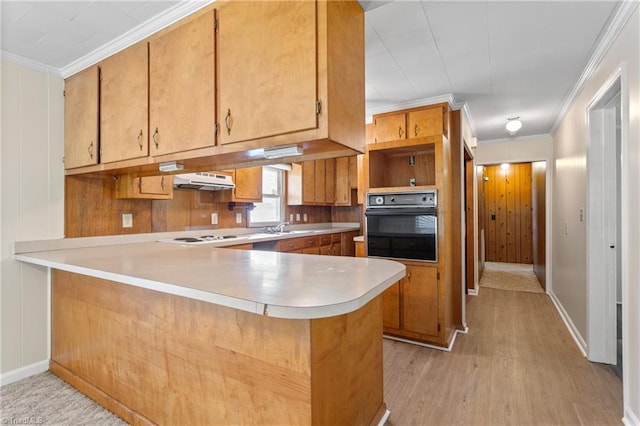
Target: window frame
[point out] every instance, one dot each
(281, 196)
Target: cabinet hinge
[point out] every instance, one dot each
(318, 107)
(438, 327)
(216, 129)
(64, 93)
(438, 276)
(216, 24)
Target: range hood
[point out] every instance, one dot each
(203, 181)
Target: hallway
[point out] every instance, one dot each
(518, 365)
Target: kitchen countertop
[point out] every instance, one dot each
(274, 284)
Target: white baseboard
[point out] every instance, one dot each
(582, 345)
(630, 419)
(24, 372)
(384, 418)
(426, 345)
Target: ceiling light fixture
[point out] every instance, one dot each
(513, 125)
(281, 152)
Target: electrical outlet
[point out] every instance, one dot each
(290, 217)
(214, 218)
(304, 217)
(238, 217)
(127, 220)
(297, 217)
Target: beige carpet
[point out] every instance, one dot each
(510, 276)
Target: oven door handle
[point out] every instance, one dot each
(402, 211)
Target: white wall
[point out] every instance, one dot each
(515, 150)
(31, 206)
(570, 180)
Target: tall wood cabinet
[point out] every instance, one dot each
(258, 96)
(124, 105)
(182, 87)
(81, 103)
(411, 151)
(323, 182)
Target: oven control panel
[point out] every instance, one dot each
(403, 199)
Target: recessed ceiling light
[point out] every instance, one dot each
(513, 125)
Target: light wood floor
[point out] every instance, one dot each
(518, 365)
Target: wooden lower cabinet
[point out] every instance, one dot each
(411, 307)
(122, 346)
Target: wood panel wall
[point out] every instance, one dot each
(539, 170)
(92, 210)
(508, 215)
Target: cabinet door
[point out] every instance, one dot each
(369, 133)
(426, 122)
(320, 182)
(81, 119)
(343, 188)
(420, 300)
(124, 112)
(308, 182)
(390, 127)
(267, 68)
(248, 183)
(391, 307)
(181, 87)
(330, 180)
(158, 185)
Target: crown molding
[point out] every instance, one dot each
(624, 12)
(29, 63)
(133, 36)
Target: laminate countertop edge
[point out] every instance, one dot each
(282, 285)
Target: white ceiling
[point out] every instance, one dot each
(501, 58)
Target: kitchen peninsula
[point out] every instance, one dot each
(176, 334)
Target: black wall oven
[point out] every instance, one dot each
(402, 225)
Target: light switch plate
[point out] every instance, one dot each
(290, 217)
(297, 217)
(238, 217)
(214, 218)
(127, 220)
(304, 217)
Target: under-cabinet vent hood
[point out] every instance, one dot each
(203, 181)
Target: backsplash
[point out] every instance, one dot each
(92, 210)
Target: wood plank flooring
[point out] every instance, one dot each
(518, 365)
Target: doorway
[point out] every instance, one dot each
(515, 219)
(604, 279)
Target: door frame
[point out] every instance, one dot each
(601, 298)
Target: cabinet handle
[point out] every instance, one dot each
(140, 185)
(409, 276)
(155, 138)
(90, 150)
(140, 140)
(400, 132)
(162, 183)
(228, 121)
(416, 130)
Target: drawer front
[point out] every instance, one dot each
(325, 239)
(311, 242)
(336, 238)
(290, 244)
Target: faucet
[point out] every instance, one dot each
(277, 228)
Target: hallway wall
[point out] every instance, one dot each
(569, 281)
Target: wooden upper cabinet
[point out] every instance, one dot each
(425, 122)
(81, 119)
(390, 127)
(124, 100)
(308, 187)
(369, 133)
(146, 187)
(248, 184)
(182, 88)
(342, 181)
(267, 69)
